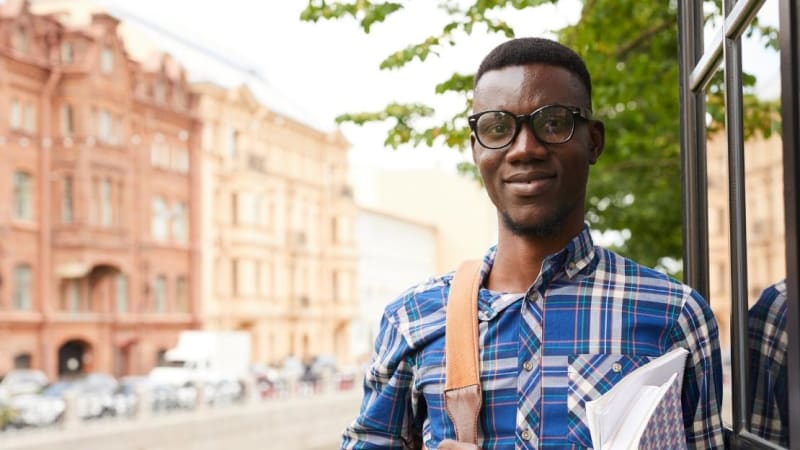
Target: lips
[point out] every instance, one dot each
(528, 184)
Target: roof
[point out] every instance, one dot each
(204, 64)
(145, 42)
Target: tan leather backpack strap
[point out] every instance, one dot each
(462, 364)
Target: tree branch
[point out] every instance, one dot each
(644, 36)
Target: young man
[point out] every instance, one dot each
(560, 320)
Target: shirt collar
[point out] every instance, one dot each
(569, 261)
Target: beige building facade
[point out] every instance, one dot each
(455, 205)
(97, 171)
(279, 254)
(766, 257)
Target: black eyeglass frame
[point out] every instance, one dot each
(582, 112)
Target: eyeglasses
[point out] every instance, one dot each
(551, 124)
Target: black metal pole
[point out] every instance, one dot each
(790, 112)
(734, 124)
(693, 155)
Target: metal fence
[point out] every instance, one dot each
(698, 64)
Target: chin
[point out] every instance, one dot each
(532, 227)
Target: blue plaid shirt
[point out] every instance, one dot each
(768, 344)
(590, 318)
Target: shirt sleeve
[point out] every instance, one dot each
(702, 380)
(387, 419)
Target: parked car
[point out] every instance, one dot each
(95, 396)
(23, 381)
(15, 386)
(41, 409)
(161, 396)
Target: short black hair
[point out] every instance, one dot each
(533, 50)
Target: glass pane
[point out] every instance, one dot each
(764, 297)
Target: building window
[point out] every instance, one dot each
(22, 287)
(159, 154)
(106, 206)
(122, 293)
(73, 296)
(67, 121)
(107, 60)
(104, 126)
(180, 160)
(20, 40)
(335, 286)
(30, 118)
(263, 210)
(160, 294)
(159, 219)
(232, 143)
(15, 115)
(67, 53)
(22, 361)
(23, 196)
(234, 208)
(179, 228)
(159, 92)
(181, 294)
(235, 287)
(248, 210)
(67, 211)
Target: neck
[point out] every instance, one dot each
(519, 259)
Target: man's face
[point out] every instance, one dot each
(538, 189)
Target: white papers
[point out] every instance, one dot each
(618, 418)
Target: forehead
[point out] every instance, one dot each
(522, 89)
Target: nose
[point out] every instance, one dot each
(526, 147)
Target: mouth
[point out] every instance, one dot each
(530, 184)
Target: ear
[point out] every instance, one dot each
(597, 135)
(472, 146)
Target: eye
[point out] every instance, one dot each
(497, 124)
(553, 124)
(495, 128)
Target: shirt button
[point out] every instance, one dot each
(527, 435)
(616, 367)
(572, 265)
(528, 366)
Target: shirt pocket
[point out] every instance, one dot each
(591, 375)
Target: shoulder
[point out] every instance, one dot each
(767, 317)
(772, 300)
(645, 282)
(419, 312)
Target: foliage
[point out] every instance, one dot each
(630, 48)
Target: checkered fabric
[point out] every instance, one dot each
(664, 430)
(589, 377)
(590, 318)
(768, 378)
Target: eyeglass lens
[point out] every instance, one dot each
(552, 125)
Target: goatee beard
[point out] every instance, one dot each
(548, 228)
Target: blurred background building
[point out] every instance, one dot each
(766, 251)
(156, 187)
(413, 224)
(279, 256)
(98, 164)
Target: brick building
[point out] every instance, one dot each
(98, 267)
